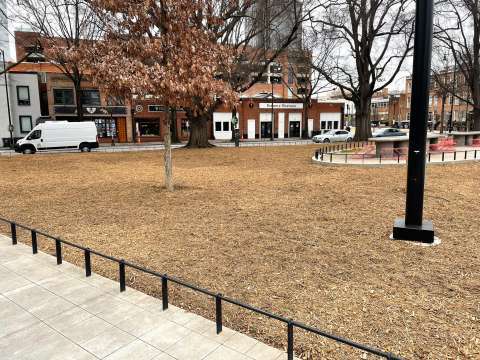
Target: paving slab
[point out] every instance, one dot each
(50, 311)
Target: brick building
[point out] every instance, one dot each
(143, 120)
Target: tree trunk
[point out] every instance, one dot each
(305, 120)
(167, 156)
(476, 119)
(198, 132)
(363, 129)
(173, 125)
(78, 99)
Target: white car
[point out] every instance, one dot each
(334, 136)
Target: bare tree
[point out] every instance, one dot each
(63, 28)
(304, 80)
(373, 38)
(251, 29)
(457, 30)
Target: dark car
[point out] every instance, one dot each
(388, 132)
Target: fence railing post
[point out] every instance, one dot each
(218, 313)
(13, 233)
(34, 242)
(443, 156)
(58, 251)
(429, 157)
(88, 263)
(165, 292)
(465, 154)
(121, 268)
(290, 340)
(454, 156)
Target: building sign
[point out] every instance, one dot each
(156, 108)
(281, 105)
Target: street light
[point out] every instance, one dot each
(413, 227)
(10, 125)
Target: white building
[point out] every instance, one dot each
(4, 36)
(24, 96)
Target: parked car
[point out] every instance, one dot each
(59, 135)
(333, 136)
(388, 132)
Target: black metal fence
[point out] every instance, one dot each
(219, 299)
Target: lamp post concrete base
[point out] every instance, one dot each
(420, 233)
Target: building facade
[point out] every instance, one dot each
(23, 110)
(4, 35)
(255, 119)
(273, 21)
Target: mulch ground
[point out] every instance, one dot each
(267, 227)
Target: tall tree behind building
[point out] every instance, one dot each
(64, 28)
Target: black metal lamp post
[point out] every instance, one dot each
(413, 227)
(10, 125)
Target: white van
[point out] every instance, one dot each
(59, 135)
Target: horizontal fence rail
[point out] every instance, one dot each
(218, 298)
(333, 154)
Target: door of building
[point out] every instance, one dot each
(266, 125)
(122, 130)
(294, 121)
(294, 130)
(266, 130)
(251, 128)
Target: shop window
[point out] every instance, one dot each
(218, 126)
(323, 125)
(226, 126)
(106, 127)
(63, 97)
(149, 128)
(26, 124)
(335, 124)
(90, 97)
(23, 95)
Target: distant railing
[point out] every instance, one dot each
(219, 298)
(394, 157)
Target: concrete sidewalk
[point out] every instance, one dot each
(159, 146)
(54, 312)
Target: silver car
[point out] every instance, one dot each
(333, 136)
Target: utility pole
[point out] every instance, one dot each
(10, 125)
(413, 227)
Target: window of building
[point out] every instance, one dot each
(91, 97)
(106, 127)
(430, 100)
(226, 126)
(23, 95)
(435, 100)
(323, 125)
(115, 100)
(63, 97)
(25, 124)
(149, 128)
(218, 126)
